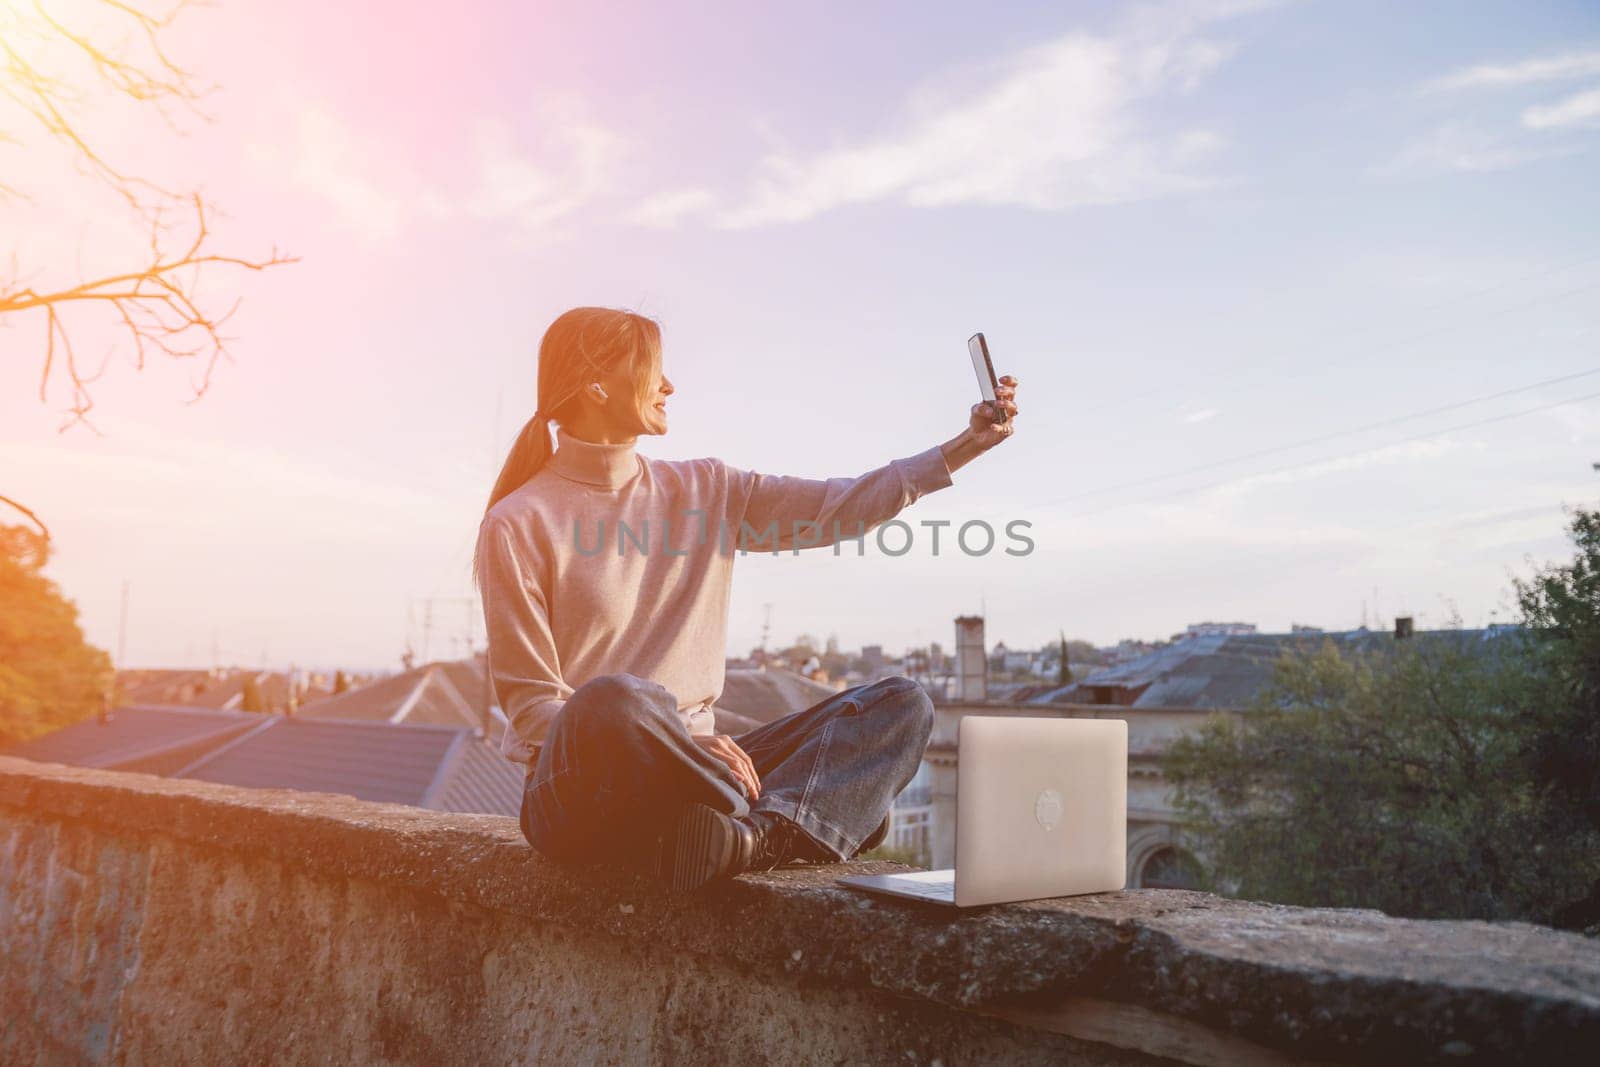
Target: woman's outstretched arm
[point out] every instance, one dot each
(775, 512)
(770, 513)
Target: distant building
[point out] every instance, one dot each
(1219, 629)
(1011, 659)
(972, 665)
(221, 688)
(1214, 670)
(1163, 692)
(760, 696)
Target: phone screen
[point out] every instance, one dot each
(980, 363)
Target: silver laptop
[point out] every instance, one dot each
(1041, 811)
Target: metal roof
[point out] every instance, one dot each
(765, 695)
(133, 734)
(427, 694)
(380, 761)
(479, 779)
(447, 768)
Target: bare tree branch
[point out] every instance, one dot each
(155, 303)
(44, 531)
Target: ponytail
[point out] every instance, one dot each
(529, 452)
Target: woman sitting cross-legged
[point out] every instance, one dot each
(605, 578)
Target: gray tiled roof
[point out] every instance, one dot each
(446, 768)
(367, 760)
(132, 734)
(765, 695)
(429, 694)
(480, 779)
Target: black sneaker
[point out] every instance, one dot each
(778, 841)
(703, 845)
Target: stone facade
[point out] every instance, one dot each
(155, 920)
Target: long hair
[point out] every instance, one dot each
(576, 348)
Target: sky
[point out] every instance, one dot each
(1301, 299)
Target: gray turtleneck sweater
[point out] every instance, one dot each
(608, 561)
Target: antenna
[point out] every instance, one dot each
(494, 441)
(122, 631)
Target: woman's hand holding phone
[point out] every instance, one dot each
(986, 423)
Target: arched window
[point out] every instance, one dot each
(1170, 868)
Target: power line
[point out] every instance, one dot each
(1506, 417)
(1236, 371)
(1336, 434)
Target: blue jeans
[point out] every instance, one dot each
(617, 765)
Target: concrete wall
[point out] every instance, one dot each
(151, 920)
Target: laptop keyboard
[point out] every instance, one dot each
(940, 887)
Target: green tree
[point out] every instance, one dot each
(341, 682)
(49, 675)
(1560, 606)
(1450, 776)
(1064, 671)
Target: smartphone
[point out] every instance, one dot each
(987, 382)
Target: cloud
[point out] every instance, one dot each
(666, 210)
(1202, 415)
(1056, 126)
(1458, 146)
(515, 187)
(576, 162)
(1523, 72)
(1582, 109)
(327, 162)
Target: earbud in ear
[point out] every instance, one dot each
(597, 387)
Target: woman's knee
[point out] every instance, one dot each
(610, 702)
(905, 699)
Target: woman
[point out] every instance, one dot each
(605, 579)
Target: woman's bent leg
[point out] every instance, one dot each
(615, 765)
(835, 768)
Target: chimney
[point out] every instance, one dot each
(1404, 627)
(972, 661)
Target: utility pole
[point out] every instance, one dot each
(122, 631)
(465, 636)
(766, 628)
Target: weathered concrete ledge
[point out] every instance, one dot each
(146, 918)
